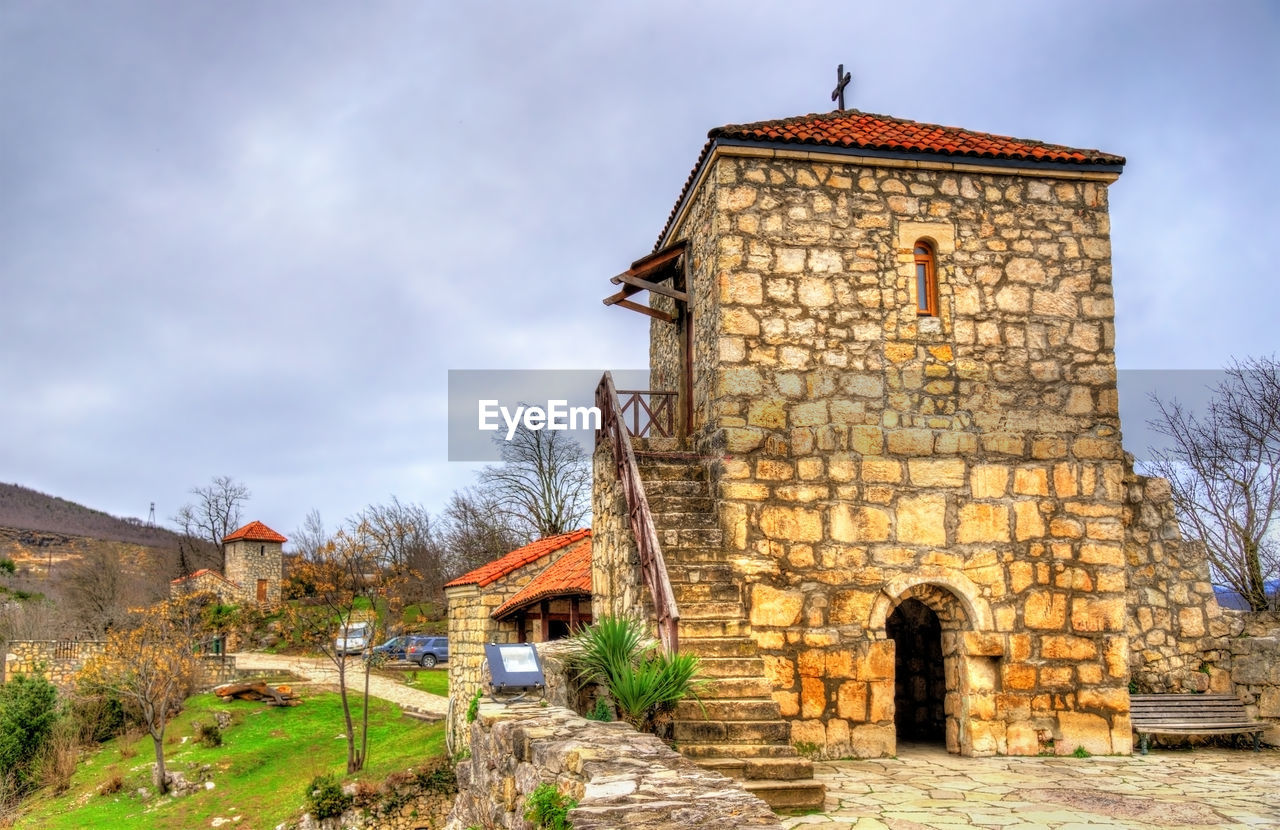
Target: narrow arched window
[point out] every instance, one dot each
(926, 280)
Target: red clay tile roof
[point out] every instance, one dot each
(518, 558)
(256, 532)
(884, 134)
(200, 573)
(570, 575)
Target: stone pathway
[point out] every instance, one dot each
(927, 788)
(322, 670)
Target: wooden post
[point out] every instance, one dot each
(545, 609)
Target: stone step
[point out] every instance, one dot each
(691, 592)
(701, 504)
(693, 556)
(712, 610)
(707, 647)
(681, 520)
(698, 537)
(731, 667)
(701, 572)
(789, 795)
(657, 444)
(735, 731)
(755, 769)
(699, 751)
(712, 628)
(727, 709)
(674, 487)
(735, 687)
(651, 470)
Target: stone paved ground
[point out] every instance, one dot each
(322, 670)
(927, 788)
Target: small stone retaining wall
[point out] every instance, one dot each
(620, 777)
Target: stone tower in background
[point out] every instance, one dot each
(255, 562)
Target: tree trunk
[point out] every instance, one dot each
(346, 714)
(158, 776)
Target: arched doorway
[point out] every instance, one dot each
(920, 682)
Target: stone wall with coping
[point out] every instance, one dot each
(620, 777)
(617, 588)
(862, 454)
(58, 660)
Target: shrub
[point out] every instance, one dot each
(28, 712)
(208, 734)
(548, 808)
(438, 776)
(325, 798)
(473, 708)
(367, 793)
(642, 680)
(601, 712)
(112, 785)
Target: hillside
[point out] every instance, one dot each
(22, 508)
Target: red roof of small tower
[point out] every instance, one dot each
(570, 575)
(255, 532)
(518, 558)
(854, 132)
(200, 573)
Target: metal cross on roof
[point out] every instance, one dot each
(842, 80)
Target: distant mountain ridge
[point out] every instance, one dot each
(22, 508)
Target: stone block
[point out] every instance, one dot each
(911, 441)
(851, 701)
(881, 470)
(1027, 521)
(851, 606)
(792, 524)
(1067, 647)
(1105, 699)
(768, 414)
(788, 703)
(983, 644)
(921, 520)
(850, 523)
(872, 740)
(813, 697)
(988, 481)
(936, 472)
(879, 664)
(866, 440)
(1089, 614)
(775, 608)
(1021, 739)
(1191, 621)
(1082, 729)
(880, 705)
(983, 523)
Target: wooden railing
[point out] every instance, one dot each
(613, 428)
(658, 410)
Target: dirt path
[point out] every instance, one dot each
(322, 670)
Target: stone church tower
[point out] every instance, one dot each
(892, 350)
(255, 561)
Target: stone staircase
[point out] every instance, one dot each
(736, 728)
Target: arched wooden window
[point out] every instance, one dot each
(926, 280)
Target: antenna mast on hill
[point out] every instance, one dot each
(151, 517)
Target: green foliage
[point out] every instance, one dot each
(548, 808)
(209, 734)
(1081, 752)
(7, 566)
(601, 712)
(325, 798)
(642, 680)
(28, 713)
(438, 775)
(473, 708)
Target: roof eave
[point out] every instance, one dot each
(719, 146)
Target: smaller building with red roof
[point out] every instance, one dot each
(254, 557)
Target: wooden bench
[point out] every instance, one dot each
(1175, 714)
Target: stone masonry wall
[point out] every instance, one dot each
(863, 454)
(470, 627)
(621, 778)
(57, 660)
(249, 561)
(617, 587)
(1174, 621)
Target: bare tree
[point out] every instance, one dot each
(309, 539)
(543, 482)
(99, 591)
(1224, 471)
(476, 530)
(404, 538)
(213, 515)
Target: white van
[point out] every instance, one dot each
(353, 639)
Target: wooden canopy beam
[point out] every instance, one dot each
(640, 277)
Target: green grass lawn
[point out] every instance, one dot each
(260, 773)
(433, 681)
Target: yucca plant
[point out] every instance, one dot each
(643, 681)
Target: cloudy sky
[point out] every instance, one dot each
(251, 239)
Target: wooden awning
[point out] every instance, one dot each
(648, 274)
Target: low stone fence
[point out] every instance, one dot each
(57, 660)
(620, 777)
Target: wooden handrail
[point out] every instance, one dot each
(659, 411)
(613, 428)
